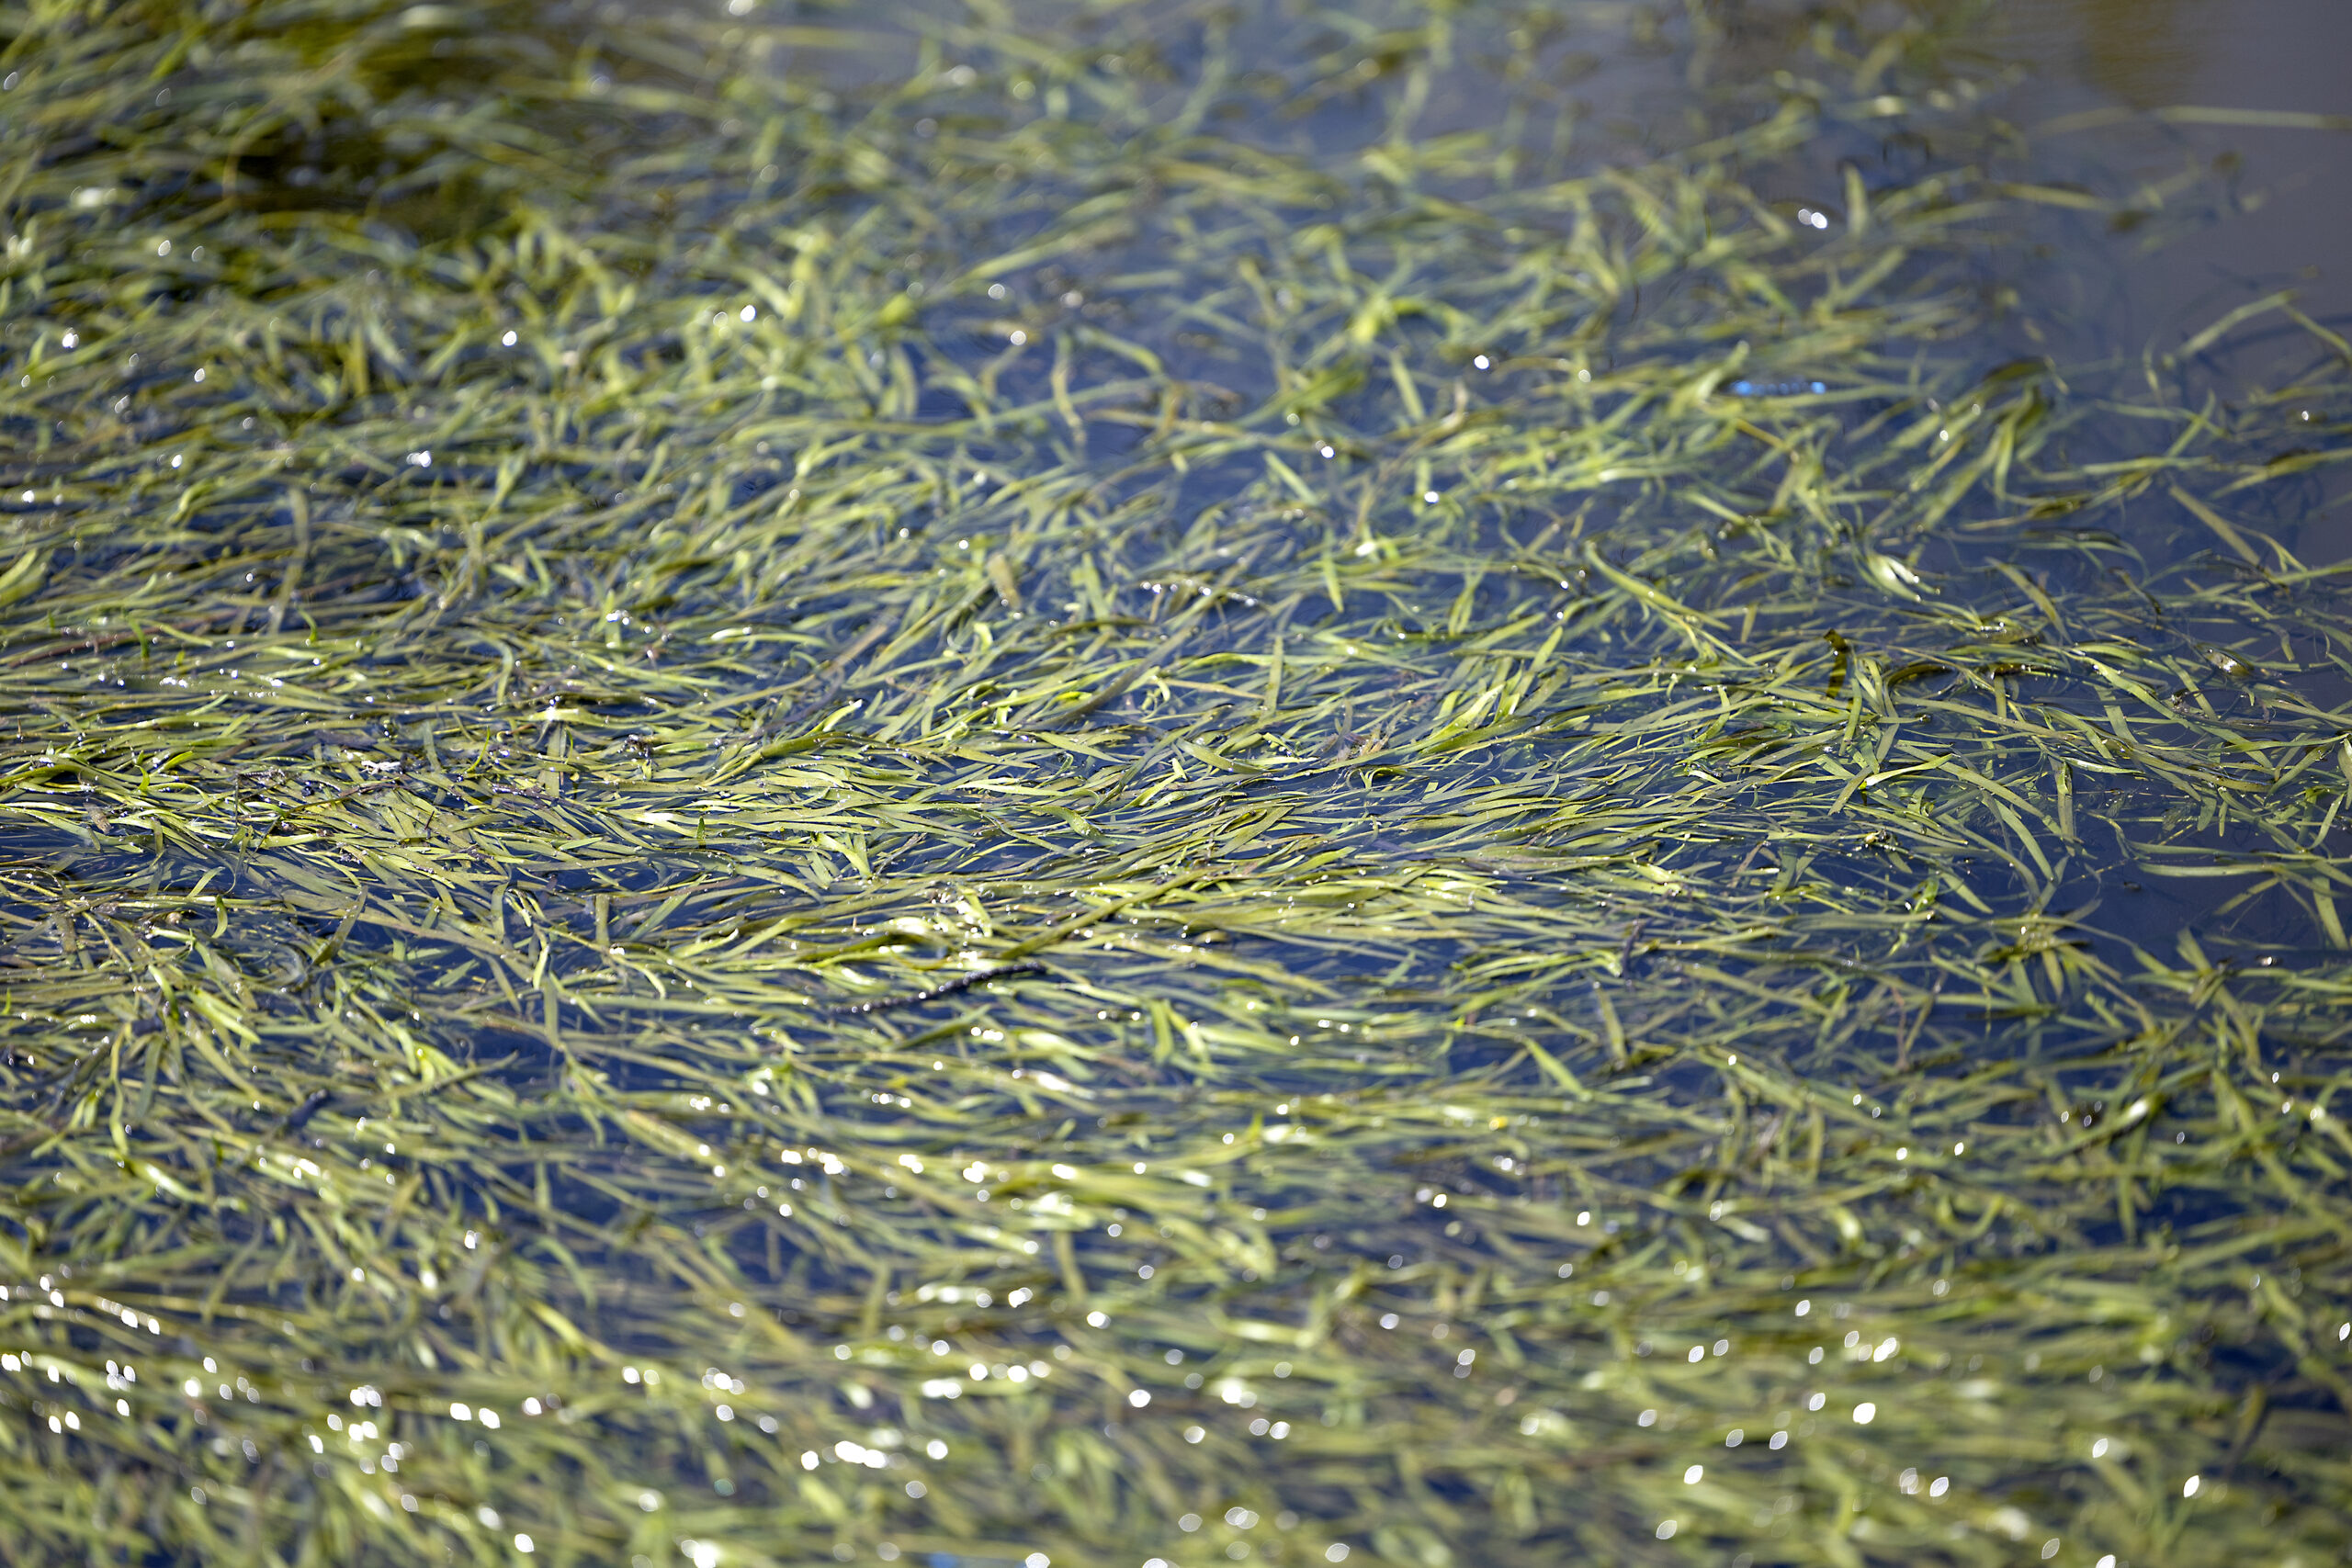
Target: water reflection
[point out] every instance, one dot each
(2143, 51)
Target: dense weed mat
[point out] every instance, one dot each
(1145, 785)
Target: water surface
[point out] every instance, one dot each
(1525, 784)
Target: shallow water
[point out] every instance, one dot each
(1660, 691)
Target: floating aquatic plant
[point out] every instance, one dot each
(1128, 784)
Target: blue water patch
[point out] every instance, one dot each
(1776, 389)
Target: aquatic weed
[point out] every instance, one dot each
(1653, 895)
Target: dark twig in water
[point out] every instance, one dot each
(883, 1004)
(1626, 954)
(299, 1117)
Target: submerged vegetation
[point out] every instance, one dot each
(1146, 785)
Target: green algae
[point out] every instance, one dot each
(1684, 900)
